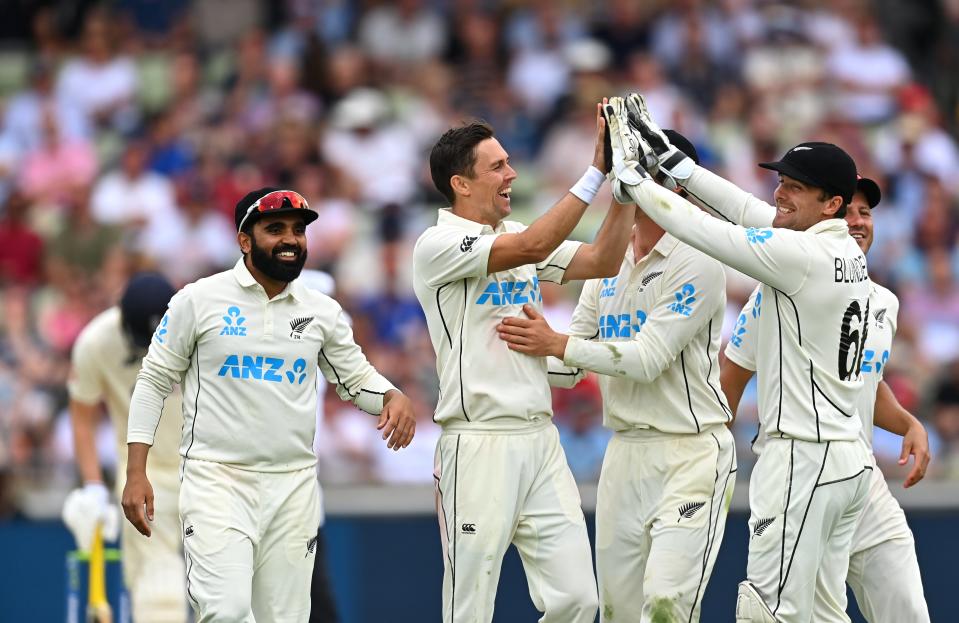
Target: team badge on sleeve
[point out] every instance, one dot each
(684, 300)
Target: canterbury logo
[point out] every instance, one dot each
(650, 277)
(188, 532)
(689, 509)
(469, 528)
(761, 526)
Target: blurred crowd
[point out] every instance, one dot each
(130, 128)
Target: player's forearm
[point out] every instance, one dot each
(137, 458)
(889, 415)
(604, 256)
(83, 421)
(146, 406)
(548, 231)
(728, 201)
(639, 360)
(563, 376)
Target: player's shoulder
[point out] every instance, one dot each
(687, 259)
(317, 300)
(882, 298)
(103, 328)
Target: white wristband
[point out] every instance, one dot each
(588, 185)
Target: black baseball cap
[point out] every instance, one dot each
(818, 164)
(682, 143)
(286, 201)
(143, 304)
(870, 189)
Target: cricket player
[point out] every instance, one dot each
(501, 475)
(105, 362)
(245, 343)
(883, 568)
(810, 483)
(653, 334)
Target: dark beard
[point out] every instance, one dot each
(269, 265)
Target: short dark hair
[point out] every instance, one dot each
(825, 195)
(455, 154)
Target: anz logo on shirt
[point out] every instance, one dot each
(609, 288)
(160, 335)
(756, 235)
(621, 325)
(511, 293)
(260, 368)
(739, 331)
(234, 322)
(684, 300)
(873, 363)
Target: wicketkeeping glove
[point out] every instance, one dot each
(628, 150)
(85, 508)
(672, 167)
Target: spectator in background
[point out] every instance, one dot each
(867, 74)
(933, 309)
(581, 431)
(24, 117)
(362, 139)
(195, 241)
(100, 82)
(945, 421)
(132, 196)
(21, 249)
(399, 35)
(57, 164)
(624, 27)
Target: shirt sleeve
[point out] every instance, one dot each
(163, 367)
(553, 268)
(343, 363)
(775, 256)
(85, 384)
(727, 201)
(741, 349)
(446, 254)
(688, 299)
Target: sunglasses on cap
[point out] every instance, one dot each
(276, 200)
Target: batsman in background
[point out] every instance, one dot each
(883, 568)
(106, 359)
(501, 475)
(653, 333)
(810, 483)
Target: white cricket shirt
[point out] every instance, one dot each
(248, 365)
(883, 314)
(483, 384)
(104, 369)
(815, 296)
(653, 334)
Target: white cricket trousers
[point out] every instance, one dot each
(660, 517)
(153, 569)
(883, 569)
(493, 489)
(250, 541)
(804, 500)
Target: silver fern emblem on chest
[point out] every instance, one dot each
(761, 526)
(648, 278)
(298, 325)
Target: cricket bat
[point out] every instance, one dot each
(98, 608)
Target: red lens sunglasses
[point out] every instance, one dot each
(274, 201)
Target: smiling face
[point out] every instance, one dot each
(859, 219)
(276, 246)
(484, 196)
(799, 206)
